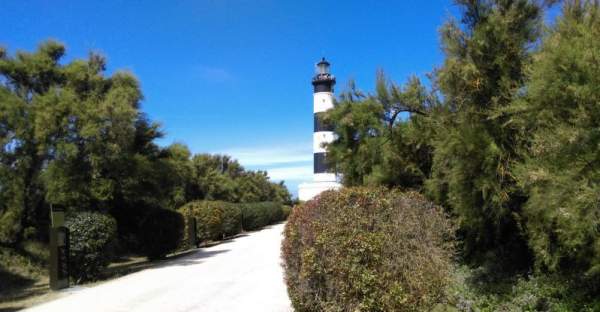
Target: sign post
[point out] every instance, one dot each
(59, 250)
(192, 232)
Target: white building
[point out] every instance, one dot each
(324, 178)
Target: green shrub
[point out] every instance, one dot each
(91, 237)
(364, 249)
(286, 210)
(488, 288)
(253, 216)
(214, 219)
(161, 231)
(231, 217)
(209, 219)
(258, 215)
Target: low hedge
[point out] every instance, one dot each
(92, 236)
(161, 232)
(258, 215)
(214, 219)
(364, 249)
(217, 219)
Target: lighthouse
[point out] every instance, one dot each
(324, 177)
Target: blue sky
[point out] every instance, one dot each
(233, 76)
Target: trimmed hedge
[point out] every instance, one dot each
(216, 220)
(92, 236)
(258, 215)
(362, 249)
(161, 232)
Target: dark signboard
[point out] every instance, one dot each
(192, 232)
(59, 258)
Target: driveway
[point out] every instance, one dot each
(242, 274)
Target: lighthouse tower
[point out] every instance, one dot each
(324, 178)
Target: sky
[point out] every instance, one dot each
(233, 76)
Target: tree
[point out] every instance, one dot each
(74, 137)
(561, 169)
(71, 137)
(382, 138)
(218, 177)
(25, 79)
(486, 57)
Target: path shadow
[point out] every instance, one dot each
(190, 258)
(16, 288)
(12, 282)
(224, 241)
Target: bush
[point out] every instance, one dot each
(231, 215)
(91, 237)
(488, 288)
(161, 232)
(215, 219)
(362, 249)
(285, 211)
(258, 215)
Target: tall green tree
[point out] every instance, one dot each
(219, 177)
(74, 137)
(487, 53)
(24, 79)
(383, 138)
(560, 115)
(71, 136)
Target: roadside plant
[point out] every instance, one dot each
(368, 249)
(92, 237)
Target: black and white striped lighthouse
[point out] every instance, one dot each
(324, 177)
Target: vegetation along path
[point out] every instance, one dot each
(242, 274)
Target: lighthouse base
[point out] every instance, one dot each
(307, 191)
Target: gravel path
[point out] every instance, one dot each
(243, 274)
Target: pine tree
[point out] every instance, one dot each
(486, 57)
(560, 113)
(382, 138)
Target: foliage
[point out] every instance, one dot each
(91, 237)
(161, 231)
(561, 167)
(376, 142)
(232, 219)
(72, 136)
(285, 212)
(484, 68)
(215, 219)
(258, 215)
(362, 249)
(218, 177)
(482, 289)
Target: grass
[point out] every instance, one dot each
(484, 289)
(23, 275)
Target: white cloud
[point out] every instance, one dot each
(296, 173)
(290, 163)
(267, 157)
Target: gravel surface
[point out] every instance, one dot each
(242, 274)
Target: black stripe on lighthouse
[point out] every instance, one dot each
(320, 125)
(320, 166)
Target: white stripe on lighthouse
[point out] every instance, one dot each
(323, 101)
(321, 137)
